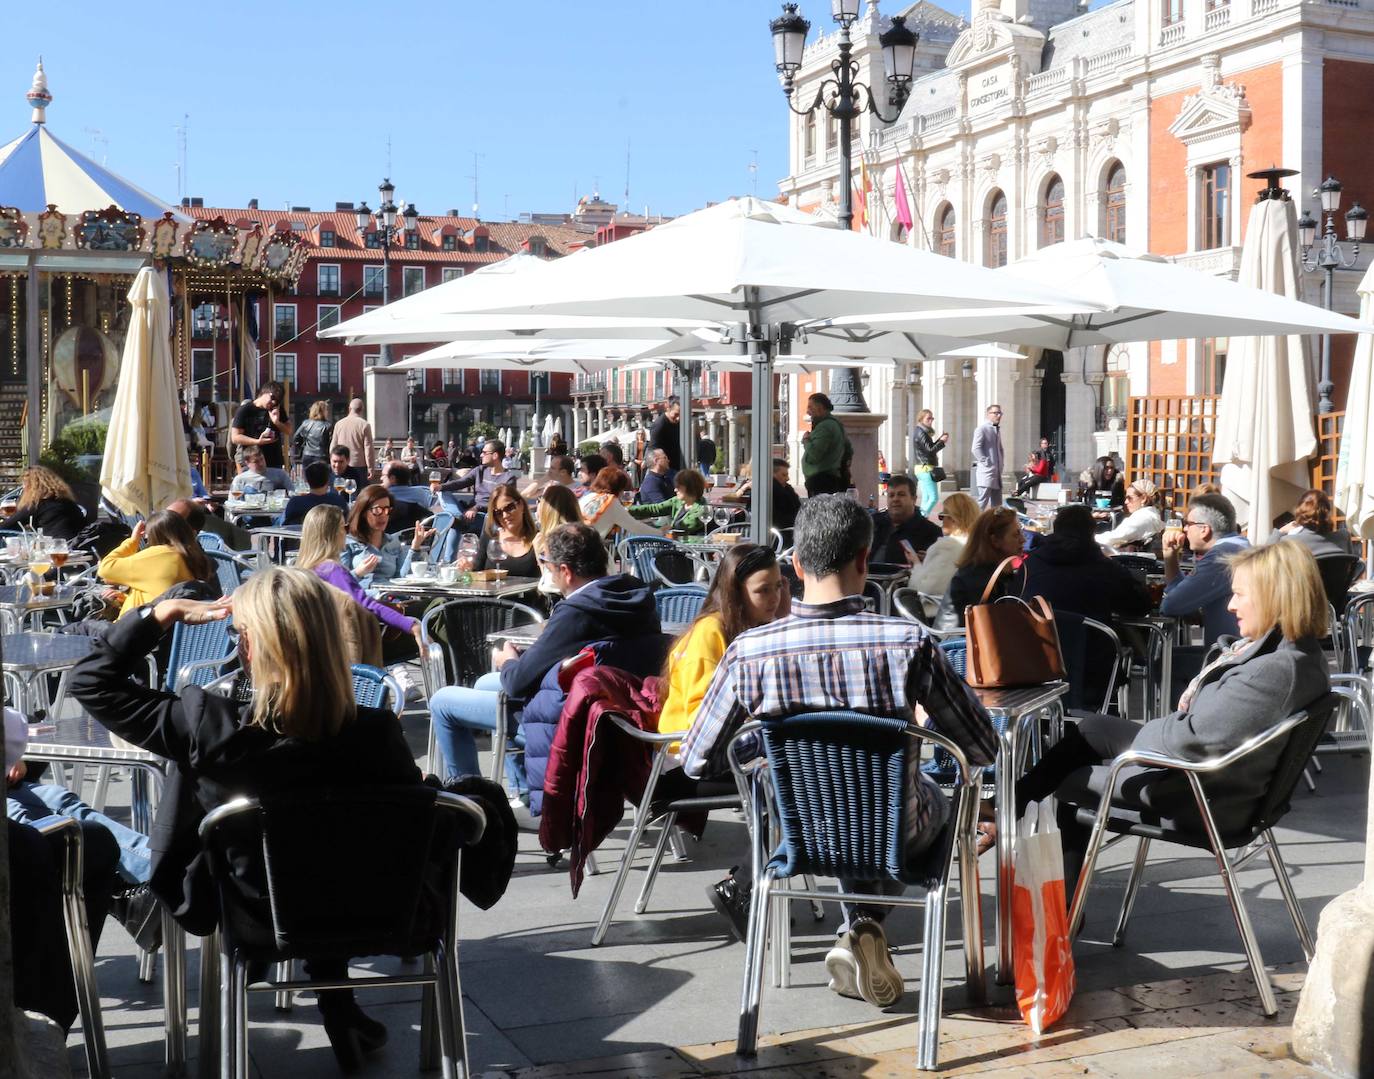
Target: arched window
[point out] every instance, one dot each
(1052, 213)
(995, 248)
(944, 232)
(1114, 205)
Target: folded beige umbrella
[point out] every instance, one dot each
(145, 464)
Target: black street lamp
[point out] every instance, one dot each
(414, 382)
(845, 99)
(387, 229)
(1329, 257)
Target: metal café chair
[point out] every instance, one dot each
(293, 839)
(680, 603)
(679, 566)
(1295, 739)
(831, 824)
(635, 554)
(230, 568)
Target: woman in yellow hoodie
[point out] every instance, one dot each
(173, 555)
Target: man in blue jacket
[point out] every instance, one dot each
(1209, 529)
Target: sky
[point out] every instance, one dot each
(304, 98)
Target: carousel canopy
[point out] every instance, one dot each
(38, 169)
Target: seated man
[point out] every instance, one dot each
(322, 493)
(558, 473)
(825, 655)
(482, 481)
(1209, 529)
(595, 607)
(587, 469)
(899, 522)
(658, 481)
(202, 520)
(786, 501)
(257, 477)
(340, 469)
(409, 504)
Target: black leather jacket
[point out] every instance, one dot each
(926, 446)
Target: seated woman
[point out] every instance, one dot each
(322, 544)
(935, 570)
(1313, 524)
(557, 506)
(602, 508)
(373, 555)
(1107, 483)
(301, 731)
(687, 511)
(1275, 668)
(173, 555)
(1142, 522)
(509, 524)
(996, 536)
(46, 503)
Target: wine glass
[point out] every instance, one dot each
(496, 555)
(350, 488)
(40, 561)
(58, 551)
(466, 557)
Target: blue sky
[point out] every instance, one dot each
(548, 94)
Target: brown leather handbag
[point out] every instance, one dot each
(1011, 642)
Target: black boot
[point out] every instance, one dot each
(350, 1031)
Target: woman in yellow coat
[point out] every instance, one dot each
(173, 555)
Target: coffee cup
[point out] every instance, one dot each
(421, 569)
(448, 574)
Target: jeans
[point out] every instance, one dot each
(31, 802)
(928, 490)
(457, 711)
(914, 844)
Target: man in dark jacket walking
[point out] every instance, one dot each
(666, 435)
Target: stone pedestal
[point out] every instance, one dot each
(862, 429)
(385, 394)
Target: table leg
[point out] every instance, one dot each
(1005, 783)
(174, 993)
(208, 1030)
(1166, 676)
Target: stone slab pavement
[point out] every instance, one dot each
(660, 996)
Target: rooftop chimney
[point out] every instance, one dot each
(343, 206)
(252, 204)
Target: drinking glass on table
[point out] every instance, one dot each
(496, 555)
(40, 561)
(58, 551)
(466, 557)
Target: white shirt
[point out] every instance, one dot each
(934, 572)
(1140, 526)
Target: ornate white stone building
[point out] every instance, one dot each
(1136, 121)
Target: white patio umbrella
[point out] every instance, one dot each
(577, 356)
(145, 464)
(1264, 433)
(1355, 465)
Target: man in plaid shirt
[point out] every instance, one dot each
(830, 653)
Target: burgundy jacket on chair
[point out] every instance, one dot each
(594, 766)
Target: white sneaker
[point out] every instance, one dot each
(878, 980)
(843, 969)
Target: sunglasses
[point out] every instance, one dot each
(378, 509)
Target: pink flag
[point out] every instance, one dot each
(903, 203)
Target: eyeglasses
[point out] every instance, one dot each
(379, 510)
(994, 412)
(1194, 524)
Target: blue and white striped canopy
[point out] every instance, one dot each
(38, 168)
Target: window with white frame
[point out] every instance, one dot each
(995, 242)
(450, 273)
(453, 378)
(491, 381)
(368, 308)
(449, 242)
(284, 367)
(1214, 206)
(327, 366)
(371, 361)
(412, 280)
(372, 280)
(284, 321)
(329, 278)
(327, 315)
(328, 238)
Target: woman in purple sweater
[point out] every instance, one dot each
(322, 541)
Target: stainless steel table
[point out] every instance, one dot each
(81, 740)
(1162, 633)
(269, 542)
(435, 589)
(1019, 707)
(18, 602)
(29, 656)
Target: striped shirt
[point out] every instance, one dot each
(837, 656)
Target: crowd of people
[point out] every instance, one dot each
(775, 635)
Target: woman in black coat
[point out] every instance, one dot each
(302, 730)
(46, 503)
(996, 536)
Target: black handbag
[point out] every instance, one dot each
(937, 474)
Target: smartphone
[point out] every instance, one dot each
(910, 550)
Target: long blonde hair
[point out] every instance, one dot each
(40, 483)
(960, 511)
(321, 537)
(557, 506)
(1286, 588)
(297, 659)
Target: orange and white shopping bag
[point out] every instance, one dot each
(1041, 949)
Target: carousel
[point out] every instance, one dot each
(72, 237)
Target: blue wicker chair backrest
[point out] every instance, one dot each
(230, 571)
(195, 644)
(679, 604)
(839, 780)
(369, 686)
(956, 651)
(639, 551)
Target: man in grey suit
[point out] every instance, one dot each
(987, 459)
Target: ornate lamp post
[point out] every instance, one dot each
(845, 98)
(414, 380)
(387, 229)
(1328, 257)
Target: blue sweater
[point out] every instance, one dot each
(1207, 591)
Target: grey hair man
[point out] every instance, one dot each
(823, 656)
(1209, 531)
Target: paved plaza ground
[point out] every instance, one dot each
(660, 997)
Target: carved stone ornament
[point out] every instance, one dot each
(990, 164)
(14, 230)
(277, 254)
(1106, 133)
(165, 230)
(210, 244)
(110, 229)
(1217, 110)
(1045, 149)
(250, 245)
(52, 228)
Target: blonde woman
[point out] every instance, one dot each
(302, 730)
(934, 572)
(322, 543)
(47, 503)
(1273, 669)
(312, 436)
(557, 506)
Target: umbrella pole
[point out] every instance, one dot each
(760, 348)
(687, 443)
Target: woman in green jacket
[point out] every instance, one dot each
(687, 511)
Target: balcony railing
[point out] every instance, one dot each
(1216, 19)
(1171, 34)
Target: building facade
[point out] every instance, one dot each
(1037, 122)
(343, 278)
